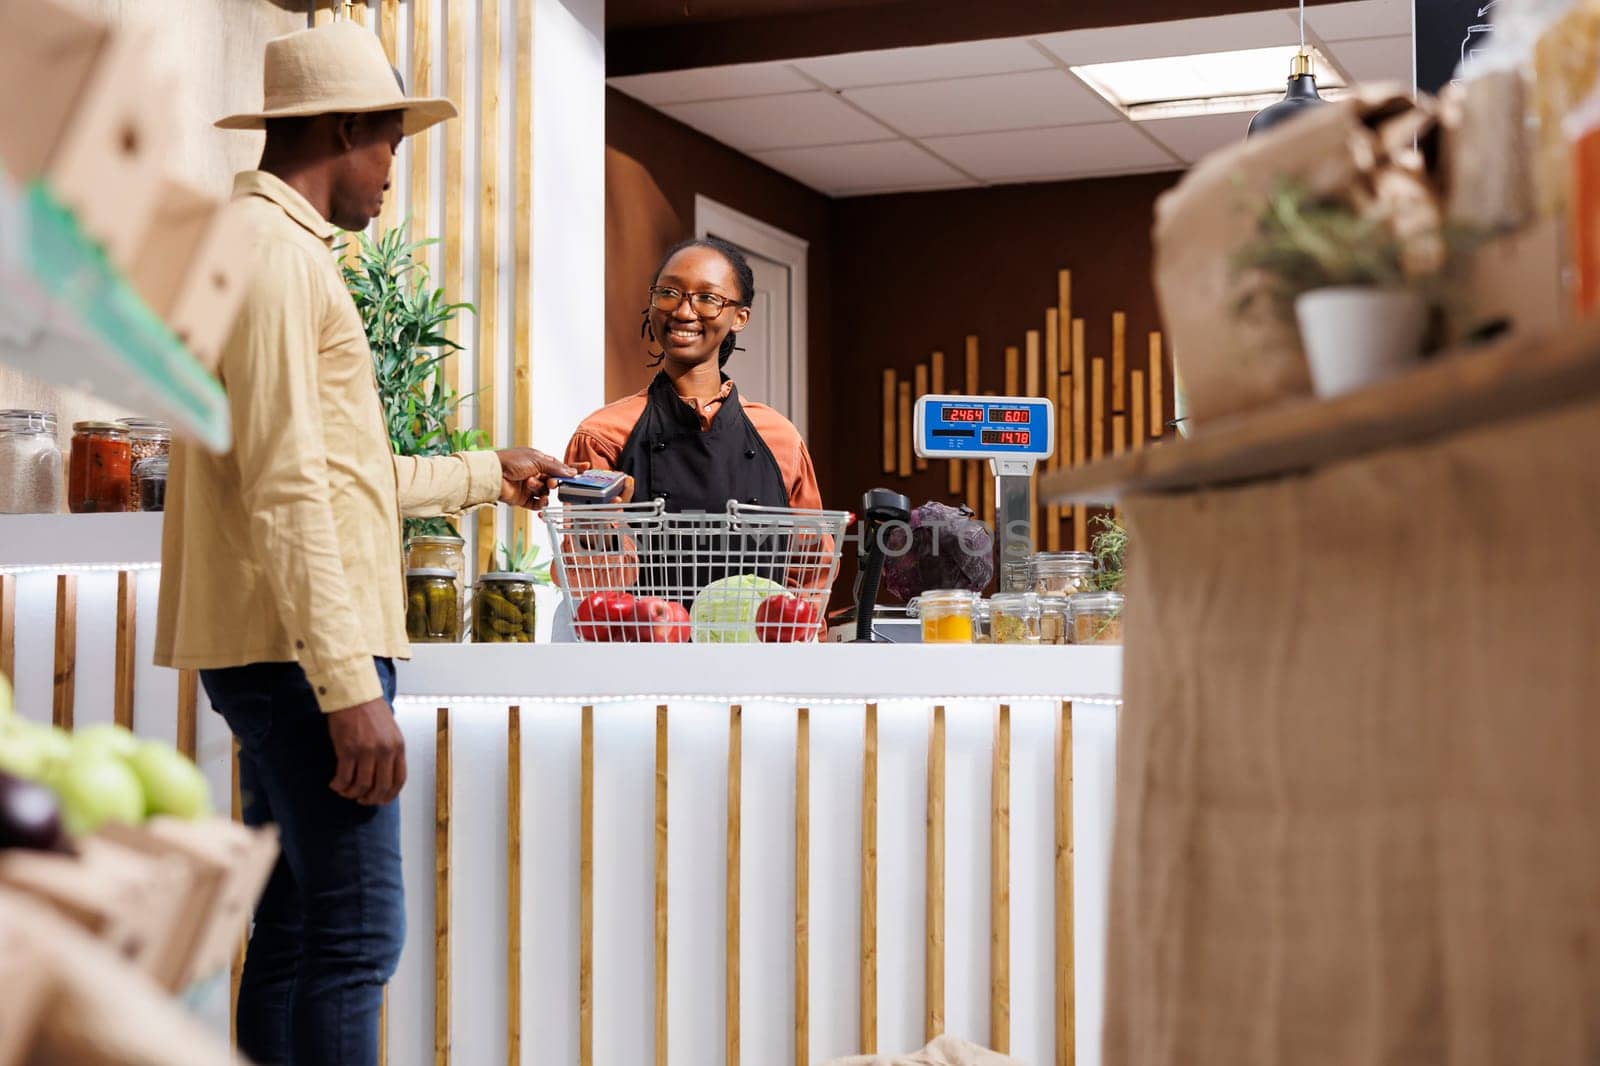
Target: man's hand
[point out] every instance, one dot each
(527, 475)
(371, 751)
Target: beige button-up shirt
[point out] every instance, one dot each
(287, 548)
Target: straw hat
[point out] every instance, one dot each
(334, 70)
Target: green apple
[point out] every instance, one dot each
(7, 699)
(111, 739)
(33, 751)
(96, 788)
(172, 784)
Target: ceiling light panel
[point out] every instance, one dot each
(1232, 80)
(969, 105)
(940, 62)
(1363, 18)
(1150, 40)
(1043, 155)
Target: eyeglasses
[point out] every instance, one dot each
(703, 304)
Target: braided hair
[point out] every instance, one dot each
(741, 272)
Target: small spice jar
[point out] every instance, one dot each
(150, 483)
(31, 468)
(1054, 626)
(433, 606)
(1014, 618)
(100, 468)
(148, 438)
(1061, 573)
(1096, 617)
(504, 609)
(948, 616)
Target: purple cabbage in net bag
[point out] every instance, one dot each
(950, 549)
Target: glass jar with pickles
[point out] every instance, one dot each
(948, 616)
(433, 605)
(504, 609)
(1014, 618)
(442, 552)
(1096, 617)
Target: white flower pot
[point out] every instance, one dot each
(1355, 335)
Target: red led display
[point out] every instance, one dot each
(1017, 437)
(963, 414)
(1009, 415)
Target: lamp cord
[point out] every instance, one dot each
(1302, 25)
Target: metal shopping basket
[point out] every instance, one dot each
(638, 572)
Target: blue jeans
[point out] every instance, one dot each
(330, 925)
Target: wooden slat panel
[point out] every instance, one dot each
(322, 12)
(1136, 430)
(936, 374)
(441, 888)
(735, 761)
(488, 302)
(522, 253)
(933, 996)
(586, 893)
(126, 656)
(1000, 886)
(1030, 363)
(919, 389)
(661, 885)
(457, 19)
(1119, 356)
(8, 626)
(1052, 389)
(1097, 409)
(1080, 429)
(1066, 965)
(904, 418)
(1157, 395)
(66, 664)
(974, 492)
(869, 883)
(972, 365)
(891, 434)
(975, 480)
(389, 37)
(421, 84)
(358, 11)
(188, 708)
(1119, 433)
(1013, 371)
(514, 887)
(802, 888)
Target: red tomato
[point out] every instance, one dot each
(603, 616)
(658, 621)
(784, 618)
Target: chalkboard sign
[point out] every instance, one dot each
(1447, 31)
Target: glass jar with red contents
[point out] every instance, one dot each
(99, 470)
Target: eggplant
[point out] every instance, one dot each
(30, 815)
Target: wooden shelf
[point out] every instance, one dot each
(1517, 377)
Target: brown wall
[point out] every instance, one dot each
(655, 166)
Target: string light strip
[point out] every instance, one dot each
(656, 698)
(77, 568)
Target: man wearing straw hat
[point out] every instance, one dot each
(282, 578)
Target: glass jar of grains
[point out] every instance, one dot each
(150, 483)
(148, 438)
(1061, 573)
(1096, 617)
(100, 468)
(31, 469)
(948, 616)
(1014, 618)
(504, 609)
(433, 606)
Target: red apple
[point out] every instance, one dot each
(604, 616)
(659, 621)
(784, 618)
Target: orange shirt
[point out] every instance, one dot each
(600, 438)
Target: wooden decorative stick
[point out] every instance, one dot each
(457, 19)
(1066, 962)
(1080, 429)
(586, 888)
(975, 483)
(802, 887)
(661, 885)
(126, 658)
(1031, 363)
(421, 84)
(905, 428)
(1052, 390)
(933, 996)
(389, 37)
(1136, 423)
(1000, 887)
(974, 498)
(1119, 433)
(441, 888)
(869, 884)
(731, 910)
(66, 674)
(188, 707)
(514, 886)
(1158, 425)
(488, 302)
(1097, 409)
(8, 626)
(1013, 370)
(918, 390)
(522, 254)
(936, 384)
(1119, 355)
(891, 404)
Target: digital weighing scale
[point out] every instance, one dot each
(1014, 433)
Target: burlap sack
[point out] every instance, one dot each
(1359, 763)
(1228, 362)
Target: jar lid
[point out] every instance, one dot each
(1095, 601)
(1061, 562)
(431, 571)
(1023, 601)
(155, 466)
(948, 596)
(507, 575)
(147, 428)
(442, 539)
(22, 420)
(109, 429)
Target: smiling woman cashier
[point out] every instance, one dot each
(688, 439)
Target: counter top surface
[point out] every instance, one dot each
(816, 672)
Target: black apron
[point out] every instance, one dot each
(671, 459)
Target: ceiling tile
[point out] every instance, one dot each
(793, 120)
(1378, 59)
(1053, 153)
(1151, 40)
(935, 63)
(712, 83)
(1195, 137)
(887, 164)
(1363, 18)
(969, 105)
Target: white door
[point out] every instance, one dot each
(763, 369)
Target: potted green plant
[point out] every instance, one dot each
(406, 320)
(1341, 274)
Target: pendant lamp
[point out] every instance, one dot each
(1301, 92)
